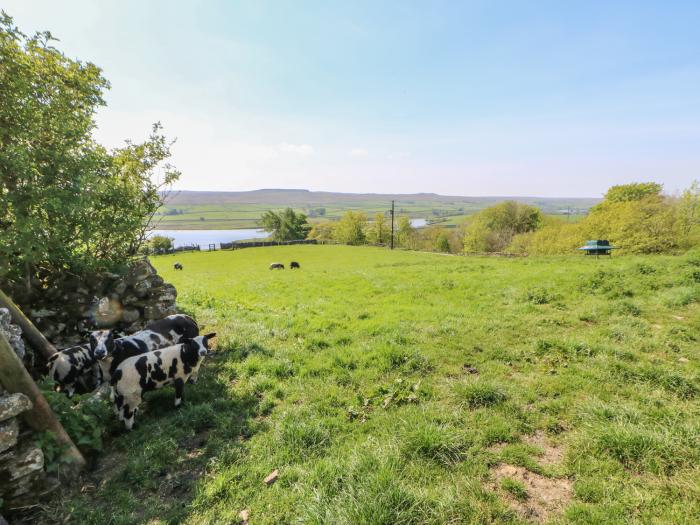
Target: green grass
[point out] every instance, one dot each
(349, 377)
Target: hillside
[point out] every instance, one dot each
(403, 387)
(225, 210)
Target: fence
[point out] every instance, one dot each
(257, 244)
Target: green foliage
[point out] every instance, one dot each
(635, 191)
(323, 231)
(405, 234)
(378, 231)
(65, 201)
(480, 394)
(493, 229)
(159, 244)
(351, 228)
(286, 225)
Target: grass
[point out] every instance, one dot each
(385, 385)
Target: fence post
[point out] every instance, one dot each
(15, 378)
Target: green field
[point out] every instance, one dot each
(410, 388)
(229, 210)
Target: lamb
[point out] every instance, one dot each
(294, 264)
(173, 365)
(73, 369)
(158, 334)
(277, 266)
(177, 266)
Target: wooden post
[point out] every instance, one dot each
(15, 378)
(34, 336)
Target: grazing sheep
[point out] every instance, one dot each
(73, 369)
(157, 334)
(173, 365)
(277, 266)
(177, 266)
(293, 265)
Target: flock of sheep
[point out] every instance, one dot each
(166, 352)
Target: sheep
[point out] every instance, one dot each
(73, 369)
(157, 334)
(173, 365)
(277, 266)
(293, 265)
(177, 266)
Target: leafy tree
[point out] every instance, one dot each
(493, 228)
(160, 243)
(285, 225)
(323, 231)
(406, 234)
(66, 203)
(378, 231)
(442, 244)
(632, 192)
(351, 228)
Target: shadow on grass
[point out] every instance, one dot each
(152, 474)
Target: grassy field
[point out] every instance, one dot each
(229, 210)
(410, 388)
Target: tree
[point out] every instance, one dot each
(492, 229)
(323, 231)
(285, 225)
(632, 192)
(442, 244)
(66, 203)
(351, 228)
(160, 243)
(377, 231)
(406, 234)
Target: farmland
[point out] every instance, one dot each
(405, 387)
(189, 210)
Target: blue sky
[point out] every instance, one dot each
(469, 98)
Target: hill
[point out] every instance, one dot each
(414, 388)
(225, 210)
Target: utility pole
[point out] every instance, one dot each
(392, 225)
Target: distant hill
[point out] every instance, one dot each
(300, 197)
(217, 210)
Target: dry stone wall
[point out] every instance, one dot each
(127, 302)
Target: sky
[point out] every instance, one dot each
(512, 98)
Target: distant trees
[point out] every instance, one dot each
(378, 231)
(67, 204)
(158, 244)
(351, 228)
(406, 234)
(493, 229)
(285, 225)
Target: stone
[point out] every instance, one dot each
(244, 515)
(165, 293)
(3, 521)
(119, 287)
(159, 310)
(13, 405)
(272, 477)
(139, 271)
(130, 315)
(9, 430)
(19, 462)
(141, 288)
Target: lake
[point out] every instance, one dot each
(206, 237)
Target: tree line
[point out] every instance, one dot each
(638, 218)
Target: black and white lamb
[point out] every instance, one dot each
(74, 369)
(173, 365)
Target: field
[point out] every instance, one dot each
(230, 210)
(410, 388)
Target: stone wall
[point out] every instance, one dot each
(127, 302)
(22, 476)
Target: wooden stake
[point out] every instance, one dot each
(15, 378)
(34, 336)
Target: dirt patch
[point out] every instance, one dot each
(551, 455)
(545, 497)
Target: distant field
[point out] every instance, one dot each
(413, 388)
(221, 210)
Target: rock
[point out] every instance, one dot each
(19, 462)
(130, 315)
(9, 430)
(119, 287)
(141, 288)
(3, 521)
(159, 310)
(139, 271)
(470, 369)
(244, 515)
(682, 359)
(272, 477)
(13, 405)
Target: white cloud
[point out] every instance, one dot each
(359, 152)
(303, 150)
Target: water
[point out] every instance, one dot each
(206, 237)
(418, 223)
